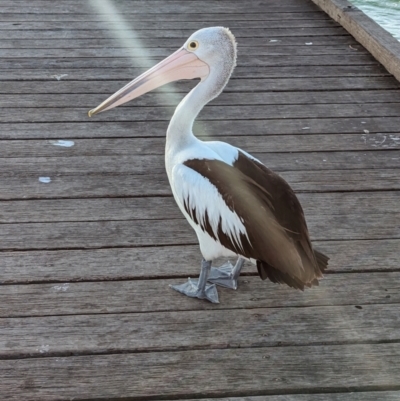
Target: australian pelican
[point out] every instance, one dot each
(236, 205)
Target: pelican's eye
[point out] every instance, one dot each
(193, 45)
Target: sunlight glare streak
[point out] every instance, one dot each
(138, 53)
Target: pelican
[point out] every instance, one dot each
(236, 205)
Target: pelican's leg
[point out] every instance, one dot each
(199, 288)
(226, 275)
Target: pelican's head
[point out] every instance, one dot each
(214, 46)
(208, 52)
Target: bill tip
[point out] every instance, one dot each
(90, 113)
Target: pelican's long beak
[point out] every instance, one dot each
(180, 65)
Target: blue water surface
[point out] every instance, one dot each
(385, 12)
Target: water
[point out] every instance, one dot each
(385, 12)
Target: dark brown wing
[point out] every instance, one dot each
(287, 207)
(288, 212)
(277, 233)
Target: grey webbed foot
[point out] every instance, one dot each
(223, 276)
(191, 289)
(199, 288)
(227, 274)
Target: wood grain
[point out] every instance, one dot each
(172, 43)
(154, 164)
(101, 234)
(182, 34)
(211, 129)
(55, 299)
(306, 14)
(153, 208)
(249, 61)
(51, 85)
(166, 99)
(163, 113)
(353, 218)
(152, 146)
(380, 43)
(301, 49)
(267, 371)
(67, 185)
(147, 24)
(169, 7)
(359, 396)
(172, 261)
(114, 333)
(95, 74)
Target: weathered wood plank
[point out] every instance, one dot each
(252, 112)
(172, 43)
(156, 7)
(268, 371)
(183, 34)
(52, 85)
(380, 43)
(55, 299)
(212, 112)
(172, 261)
(159, 24)
(148, 146)
(249, 61)
(349, 204)
(101, 234)
(153, 52)
(180, 34)
(152, 99)
(91, 334)
(187, 17)
(211, 129)
(67, 185)
(333, 180)
(359, 396)
(94, 74)
(154, 164)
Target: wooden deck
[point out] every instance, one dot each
(86, 259)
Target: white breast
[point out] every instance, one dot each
(203, 197)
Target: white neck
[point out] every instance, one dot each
(181, 124)
(179, 133)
